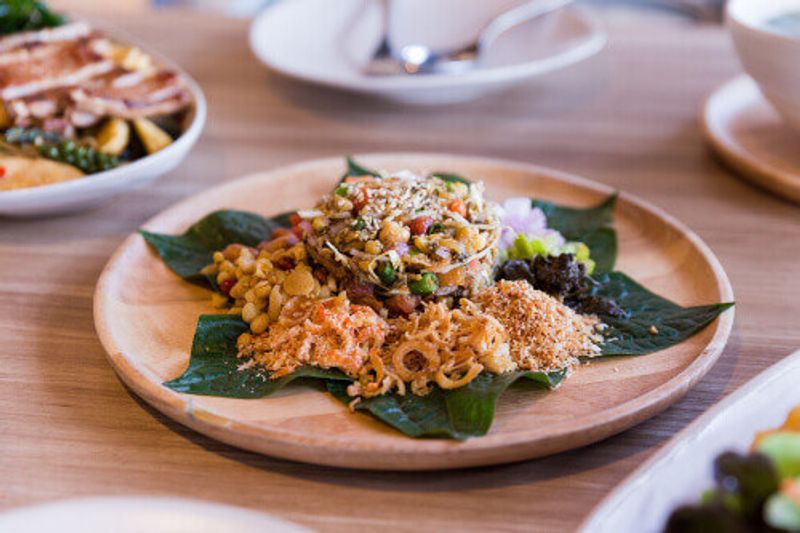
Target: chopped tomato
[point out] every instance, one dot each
(226, 286)
(358, 179)
(403, 304)
(458, 206)
(285, 241)
(302, 228)
(295, 219)
(285, 263)
(2, 172)
(473, 266)
(361, 199)
(281, 232)
(420, 225)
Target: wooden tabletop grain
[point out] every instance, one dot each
(626, 118)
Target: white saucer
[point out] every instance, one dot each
(138, 514)
(750, 137)
(328, 43)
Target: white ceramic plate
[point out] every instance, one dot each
(140, 514)
(680, 472)
(70, 196)
(329, 43)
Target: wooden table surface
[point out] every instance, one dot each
(627, 118)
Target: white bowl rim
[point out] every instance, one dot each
(126, 171)
(734, 15)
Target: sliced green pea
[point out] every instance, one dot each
(386, 273)
(438, 227)
(425, 285)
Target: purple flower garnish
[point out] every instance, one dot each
(517, 215)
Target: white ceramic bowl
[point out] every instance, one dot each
(771, 58)
(89, 191)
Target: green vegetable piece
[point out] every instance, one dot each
(425, 285)
(591, 225)
(359, 224)
(784, 449)
(437, 227)
(342, 190)
(525, 248)
(782, 513)
(709, 496)
(386, 273)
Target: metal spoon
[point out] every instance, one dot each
(419, 59)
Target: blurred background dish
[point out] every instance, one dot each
(680, 471)
(332, 43)
(135, 514)
(80, 108)
(767, 40)
(751, 138)
(73, 195)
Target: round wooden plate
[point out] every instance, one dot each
(145, 317)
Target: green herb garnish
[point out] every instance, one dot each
(25, 15)
(437, 227)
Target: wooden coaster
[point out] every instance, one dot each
(752, 139)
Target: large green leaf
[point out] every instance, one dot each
(591, 226)
(449, 177)
(573, 222)
(215, 370)
(458, 413)
(187, 254)
(355, 169)
(651, 323)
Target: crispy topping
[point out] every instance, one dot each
(544, 334)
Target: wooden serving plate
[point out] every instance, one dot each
(145, 317)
